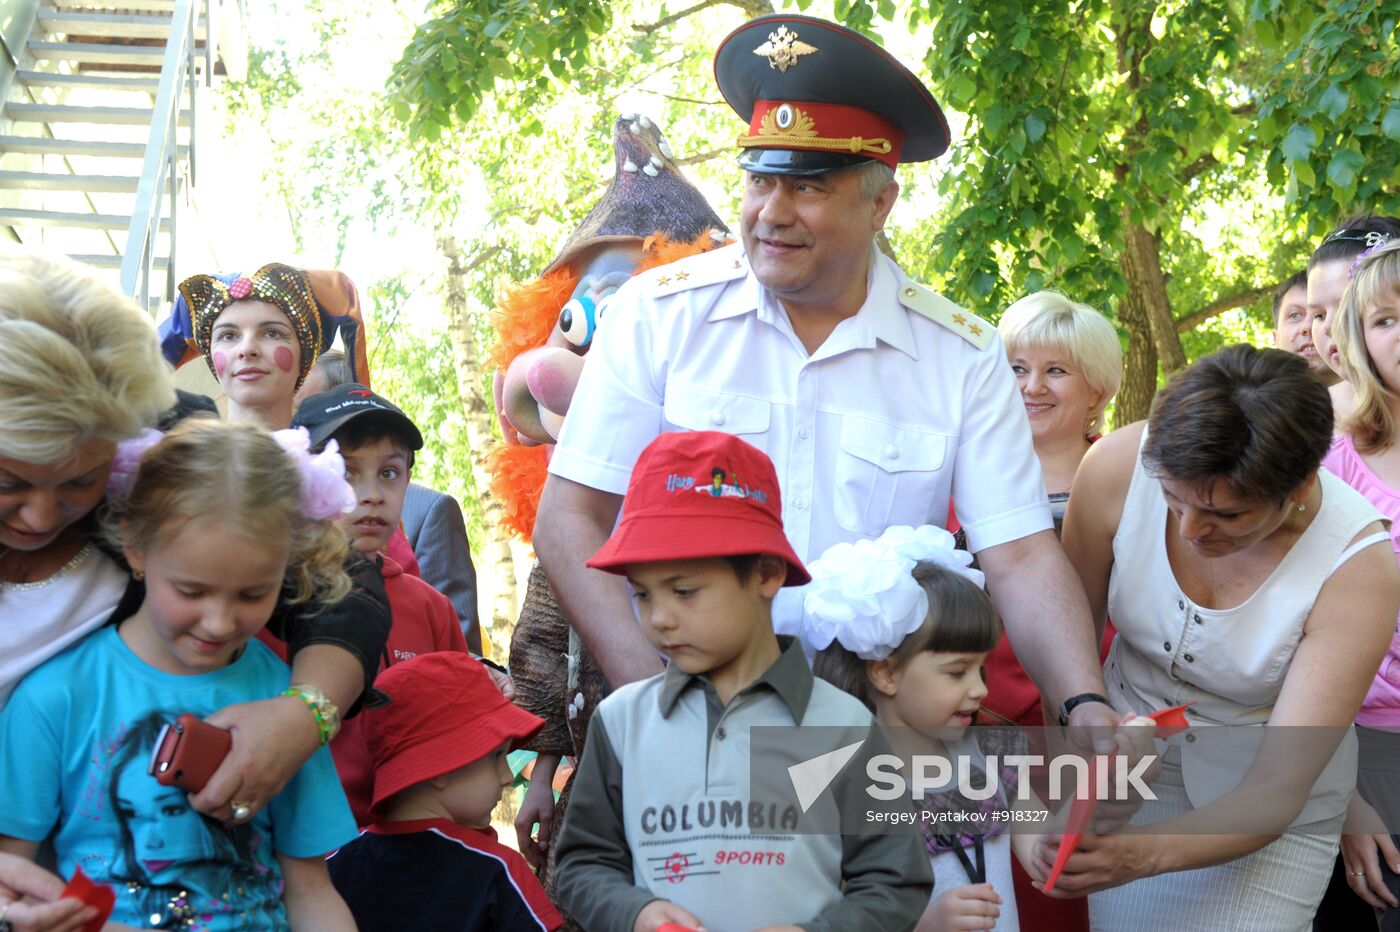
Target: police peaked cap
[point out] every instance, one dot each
(819, 97)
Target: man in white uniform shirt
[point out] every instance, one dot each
(877, 399)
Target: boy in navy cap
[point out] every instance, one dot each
(378, 441)
(701, 543)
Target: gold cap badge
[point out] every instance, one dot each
(783, 49)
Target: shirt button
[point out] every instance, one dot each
(891, 452)
(717, 418)
(1180, 604)
(804, 433)
(800, 504)
(1190, 659)
(909, 292)
(1190, 739)
(1166, 645)
(719, 733)
(1198, 620)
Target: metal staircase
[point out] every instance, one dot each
(98, 142)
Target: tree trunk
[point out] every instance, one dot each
(1134, 399)
(497, 566)
(1142, 268)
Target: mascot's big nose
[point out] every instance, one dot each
(536, 391)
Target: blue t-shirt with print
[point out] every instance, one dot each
(75, 741)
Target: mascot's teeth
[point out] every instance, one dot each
(629, 166)
(636, 128)
(646, 123)
(651, 170)
(666, 150)
(629, 117)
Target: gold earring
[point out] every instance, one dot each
(139, 574)
(1302, 508)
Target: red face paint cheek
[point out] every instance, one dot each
(220, 364)
(284, 358)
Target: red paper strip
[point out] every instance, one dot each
(97, 895)
(1081, 809)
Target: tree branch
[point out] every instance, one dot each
(1220, 306)
(704, 156)
(676, 17)
(1202, 165)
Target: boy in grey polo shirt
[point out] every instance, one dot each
(661, 827)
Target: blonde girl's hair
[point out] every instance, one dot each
(960, 620)
(1375, 276)
(1049, 320)
(235, 473)
(78, 361)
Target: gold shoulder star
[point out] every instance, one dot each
(976, 330)
(682, 275)
(960, 320)
(664, 280)
(783, 49)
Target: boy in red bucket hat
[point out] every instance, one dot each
(431, 859)
(661, 826)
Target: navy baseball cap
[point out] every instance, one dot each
(324, 414)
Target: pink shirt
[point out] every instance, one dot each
(1382, 706)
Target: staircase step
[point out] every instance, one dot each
(149, 6)
(100, 82)
(117, 25)
(38, 145)
(92, 53)
(63, 113)
(10, 216)
(56, 181)
(115, 262)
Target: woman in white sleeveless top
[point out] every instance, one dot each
(1244, 580)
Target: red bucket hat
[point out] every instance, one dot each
(444, 712)
(695, 495)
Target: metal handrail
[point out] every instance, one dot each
(161, 166)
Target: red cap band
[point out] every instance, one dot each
(779, 124)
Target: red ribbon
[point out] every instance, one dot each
(1081, 810)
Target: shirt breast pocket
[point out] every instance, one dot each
(689, 408)
(885, 475)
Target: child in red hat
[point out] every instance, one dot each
(661, 826)
(431, 859)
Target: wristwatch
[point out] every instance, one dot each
(1072, 702)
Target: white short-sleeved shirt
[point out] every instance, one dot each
(907, 404)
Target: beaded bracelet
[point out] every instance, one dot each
(326, 713)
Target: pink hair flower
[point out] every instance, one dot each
(240, 289)
(127, 461)
(325, 495)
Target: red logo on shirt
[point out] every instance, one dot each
(677, 867)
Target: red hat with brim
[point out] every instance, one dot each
(696, 495)
(444, 712)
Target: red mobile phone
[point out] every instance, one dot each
(187, 752)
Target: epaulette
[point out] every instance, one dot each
(708, 268)
(940, 310)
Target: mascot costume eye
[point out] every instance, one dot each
(649, 216)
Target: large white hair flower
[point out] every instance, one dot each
(863, 594)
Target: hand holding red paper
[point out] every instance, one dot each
(97, 895)
(1166, 722)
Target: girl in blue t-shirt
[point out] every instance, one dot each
(216, 518)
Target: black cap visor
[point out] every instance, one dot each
(797, 161)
